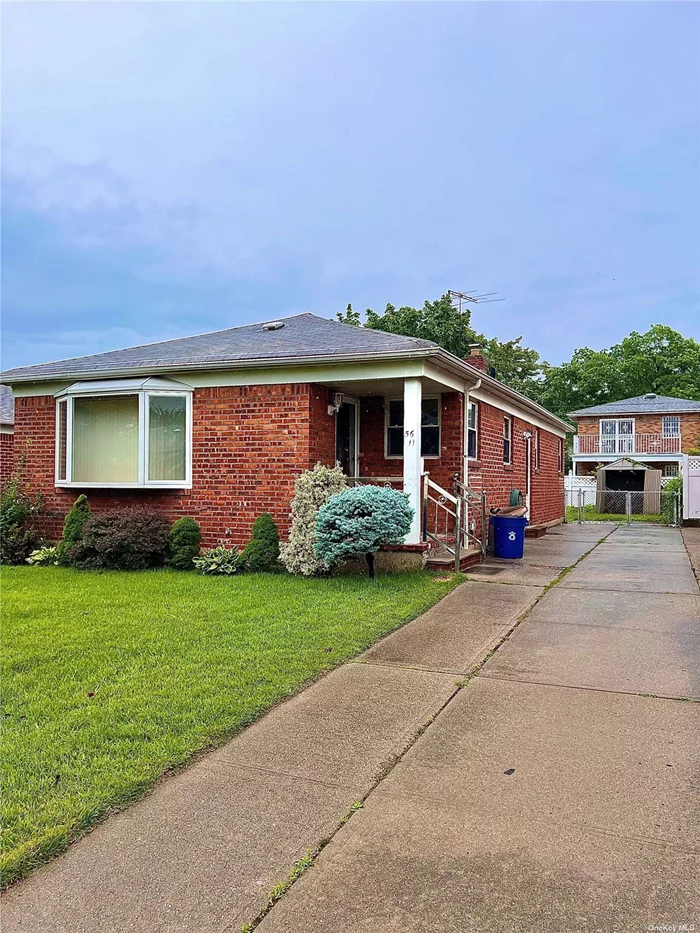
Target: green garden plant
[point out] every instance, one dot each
(123, 539)
(18, 511)
(312, 489)
(263, 550)
(185, 539)
(73, 527)
(218, 560)
(43, 557)
(359, 521)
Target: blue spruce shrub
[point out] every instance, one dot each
(359, 520)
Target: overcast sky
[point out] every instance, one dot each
(173, 168)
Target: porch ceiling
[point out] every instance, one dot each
(387, 387)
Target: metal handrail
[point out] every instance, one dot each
(456, 506)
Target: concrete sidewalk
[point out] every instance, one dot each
(546, 795)
(557, 792)
(201, 852)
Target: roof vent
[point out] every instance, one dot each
(274, 325)
(650, 395)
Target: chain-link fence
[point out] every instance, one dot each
(588, 504)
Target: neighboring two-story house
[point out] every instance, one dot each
(652, 429)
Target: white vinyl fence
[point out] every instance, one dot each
(691, 487)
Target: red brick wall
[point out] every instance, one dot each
(650, 424)
(249, 444)
(372, 446)
(6, 456)
(489, 472)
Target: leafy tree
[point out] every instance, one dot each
(439, 321)
(517, 366)
(263, 550)
(359, 520)
(185, 538)
(660, 360)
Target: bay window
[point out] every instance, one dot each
(124, 433)
(430, 427)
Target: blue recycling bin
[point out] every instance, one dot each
(508, 536)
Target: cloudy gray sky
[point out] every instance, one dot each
(172, 168)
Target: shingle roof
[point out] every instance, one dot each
(7, 405)
(641, 404)
(304, 336)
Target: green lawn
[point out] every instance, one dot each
(590, 515)
(110, 679)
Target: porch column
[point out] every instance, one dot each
(412, 463)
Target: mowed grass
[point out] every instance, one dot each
(110, 679)
(590, 515)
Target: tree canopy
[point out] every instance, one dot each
(451, 329)
(660, 360)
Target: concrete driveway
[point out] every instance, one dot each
(525, 758)
(558, 791)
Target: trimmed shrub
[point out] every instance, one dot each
(43, 557)
(18, 534)
(218, 560)
(312, 489)
(185, 539)
(262, 552)
(359, 521)
(73, 527)
(123, 539)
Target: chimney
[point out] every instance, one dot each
(475, 357)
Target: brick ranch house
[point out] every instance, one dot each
(219, 425)
(655, 430)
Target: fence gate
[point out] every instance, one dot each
(691, 487)
(651, 506)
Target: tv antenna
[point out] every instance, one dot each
(460, 298)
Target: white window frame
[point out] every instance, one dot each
(673, 467)
(617, 436)
(425, 398)
(508, 420)
(474, 406)
(664, 421)
(68, 396)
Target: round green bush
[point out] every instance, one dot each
(359, 520)
(185, 539)
(263, 550)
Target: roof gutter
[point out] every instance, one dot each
(448, 361)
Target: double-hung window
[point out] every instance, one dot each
(472, 430)
(507, 439)
(430, 427)
(124, 433)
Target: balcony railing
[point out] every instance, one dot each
(626, 444)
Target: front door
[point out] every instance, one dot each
(347, 422)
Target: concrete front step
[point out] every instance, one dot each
(443, 560)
